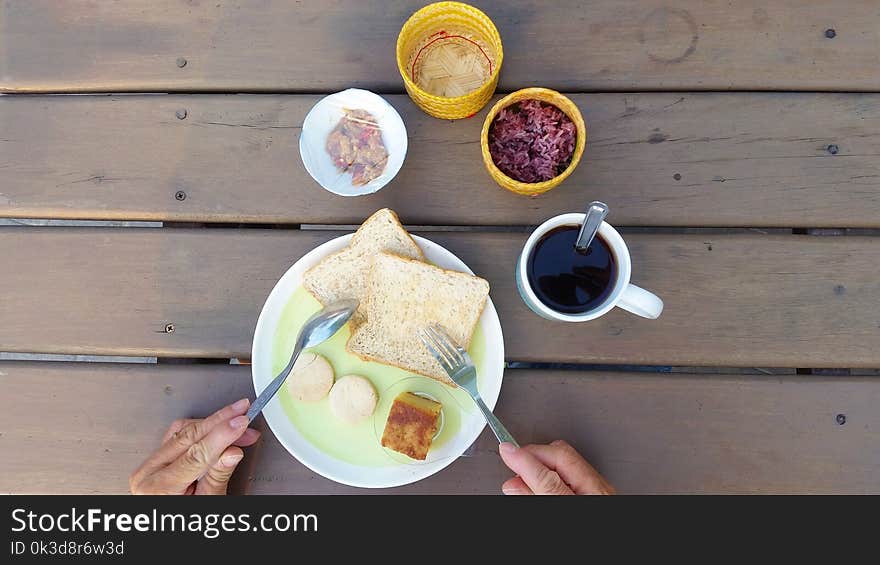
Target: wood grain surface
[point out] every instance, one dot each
(662, 151)
(82, 428)
(319, 45)
(744, 300)
(74, 429)
(657, 159)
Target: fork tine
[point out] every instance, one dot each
(455, 361)
(432, 347)
(442, 331)
(459, 353)
(447, 346)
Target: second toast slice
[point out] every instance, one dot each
(405, 296)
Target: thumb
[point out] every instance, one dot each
(216, 480)
(516, 486)
(537, 476)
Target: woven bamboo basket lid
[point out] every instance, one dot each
(451, 65)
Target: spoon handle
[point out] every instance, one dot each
(273, 387)
(595, 214)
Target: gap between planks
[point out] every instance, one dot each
(43, 222)
(509, 365)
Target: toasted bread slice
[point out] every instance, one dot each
(407, 295)
(343, 275)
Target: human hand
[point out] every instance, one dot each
(550, 469)
(197, 456)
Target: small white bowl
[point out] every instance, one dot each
(325, 115)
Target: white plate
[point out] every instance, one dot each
(325, 115)
(491, 371)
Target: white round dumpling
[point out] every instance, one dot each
(311, 378)
(353, 399)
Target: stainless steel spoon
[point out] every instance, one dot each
(595, 214)
(317, 329)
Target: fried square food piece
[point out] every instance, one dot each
(411, 425)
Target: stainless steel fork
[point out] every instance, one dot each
(458, 365)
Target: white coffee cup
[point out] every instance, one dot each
(623, 294)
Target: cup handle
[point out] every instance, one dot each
(640, 302)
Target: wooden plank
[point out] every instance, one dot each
(731, 300)
(656, 159)
(83, 46)
(81, 428)
(661, 434)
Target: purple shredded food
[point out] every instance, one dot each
(532, 141)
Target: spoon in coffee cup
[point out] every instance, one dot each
(595, 214)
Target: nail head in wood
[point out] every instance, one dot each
(181, 62)
(169, 328)
(830, 33)
(676, 176)
(833, 149)
(841, 419)
(180, 195)
(181, 114)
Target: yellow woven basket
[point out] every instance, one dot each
(550, 97)
(447, 30)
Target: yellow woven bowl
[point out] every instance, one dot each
(458, 26)
(550, 97)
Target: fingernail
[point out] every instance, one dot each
(232, 459)
(239, 422)
(507, 448)
(241, 404)
(511, 491)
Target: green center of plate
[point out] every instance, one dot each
(356, 444)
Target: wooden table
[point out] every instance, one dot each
(737, 144)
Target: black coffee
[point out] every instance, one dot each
(568, 281)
